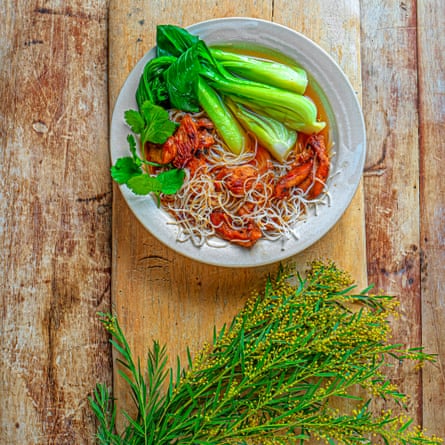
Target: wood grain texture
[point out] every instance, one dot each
(55, 212)
(399, 231)
(431, 63)
(157, 293)
(391, 180)
(336, 28)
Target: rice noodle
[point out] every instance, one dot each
(202, 194)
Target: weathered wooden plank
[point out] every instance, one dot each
(157, 293)
(392, 171)
(336, 28)
(431, 60)
(55, 219)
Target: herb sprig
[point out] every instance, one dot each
(275, 374)
(152, 124)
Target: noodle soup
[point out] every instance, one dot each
(248, 197)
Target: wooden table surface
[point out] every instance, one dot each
(70, 247)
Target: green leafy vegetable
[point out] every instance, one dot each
(153, 124)
(152, 86)
(135, 121)
(173, 40)
(273, 374)
(271, 134)
(182, 81)
(268, 88)
(133, 150)
(188, 90)
(144, 184)
(171, 180)
(292, 78)
(124, 169)
(296, 111)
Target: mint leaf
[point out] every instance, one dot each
(144, 184)
(135, 121)
(124, 169)
(171, 180)
(158, 126)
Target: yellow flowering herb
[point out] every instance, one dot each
(275, 375)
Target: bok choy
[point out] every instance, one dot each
(151, 85)
(273, 73)
(265, 97)
(218, 111)
(271, 134)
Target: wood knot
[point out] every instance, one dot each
(40, 127)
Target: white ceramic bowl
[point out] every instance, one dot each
(347, 133)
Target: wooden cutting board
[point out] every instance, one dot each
(157, 293)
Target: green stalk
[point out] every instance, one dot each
(271, 134)
(300, 118)
(296, 111)
(228, 127)
(292, 78)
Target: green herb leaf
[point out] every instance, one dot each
(128, 170)
(152, 123)
(144, 184)
(171, 180)
(135, 121)
(132, 143)
(158, 127)
(124, 169)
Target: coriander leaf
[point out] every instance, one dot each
(132, 143)
(135, 121)
(124, 169)
(171, 180)
(144, 184)
(158, 126)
